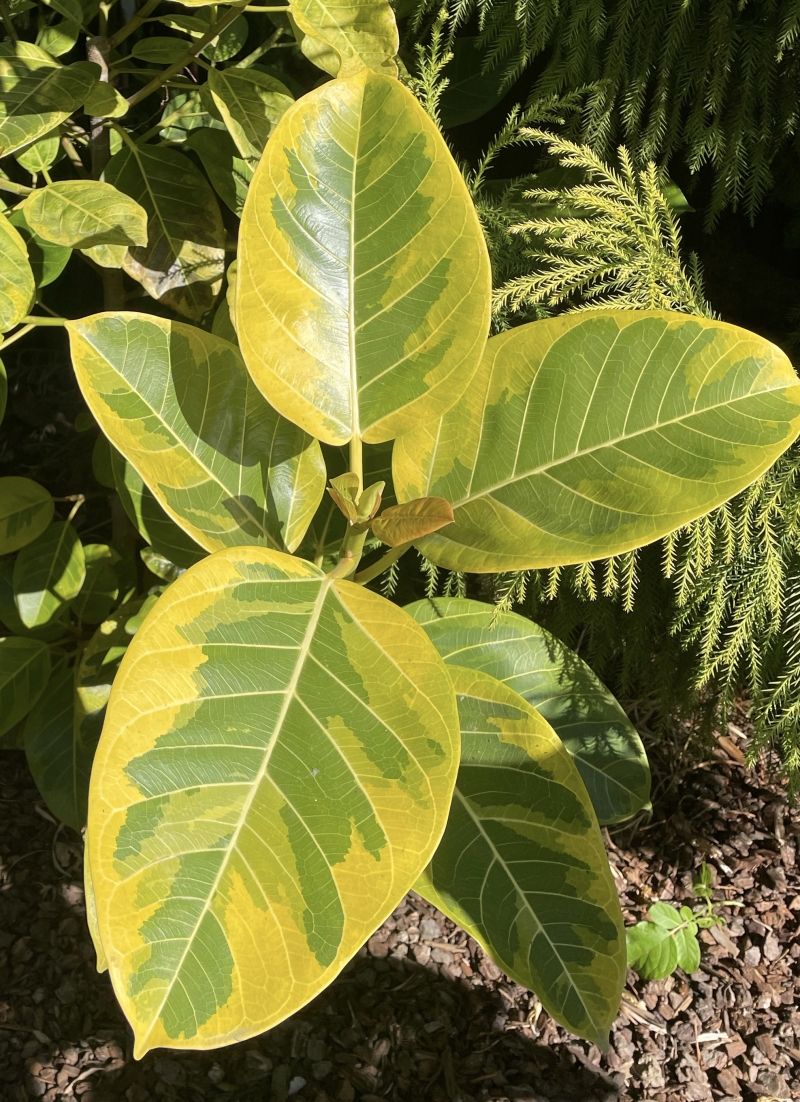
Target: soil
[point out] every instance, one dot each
(421, 1015)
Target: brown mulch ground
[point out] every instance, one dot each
(421, 1015)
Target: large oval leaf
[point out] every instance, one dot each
(596, 432)
(16, 277)
(251, 103)
(550, 676)
(522, 867)
(363, 281)
(274, 772)
(85, 213)
(26, 509)
(24, 673)
(48, 574)
(36, 93)
(148, 517)
(229, 173)
(343, 36)
(180, 406)
(183, 261)
(47, 260)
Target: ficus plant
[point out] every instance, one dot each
(285, 752)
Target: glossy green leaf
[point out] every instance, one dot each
(276, 740)
(363, 278)
(46, 633)
(59, 767)
(180, 406)
(344, 36)
(47, 260)
(84, 213)
(58, 38)
(183, 261)
(228, 44)
(470, 92)
(16, 277)
(100, 591)
(522, 866)
(48, 574)
(587, 718)
(105, 102)
(229, 173)
(160, 50)
(149, 519)
(26, 509)
(36, 93)
(251, 104)
(597, 432)
(40, 155)
(24, 673)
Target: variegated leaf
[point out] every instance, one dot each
(37, 93)
(363, 280)
(26, 510)
(48, 574)
(522, 866)
(251, 104)
(345, 36)
(587, 718)
(85, 213)
(183, 261)
(17, 287)
(596, 432)
(274, 772)
(180, 406)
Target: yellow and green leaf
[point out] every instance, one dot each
(85, 213)
(183, 262)
(48, 574)
(363, 279)
(553, 679)
(344, 36)
(37, 93)
(275, 771)
(597, 432)
(251, 103)
(26, 510)
(522, 866)
(229, 173)
(178, 403)
(17, 287)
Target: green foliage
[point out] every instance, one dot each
(285, 751)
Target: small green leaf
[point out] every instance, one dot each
(159, 565)
(84, 213)
(403, 523)
(24, 673)
(228, 44)
(48, 574)
(591, 724)
(58, 38)
(46, 633)
(26, 509)
(344, 36)
(668, 940)
(105, 102)
(101, 589)
(17, 286)
(596, 432)
(180, 406)
(160, 50)
(251, 103)
(229, 173)
(40, 155)
(183, 261)
(522, 866)
(47, 260)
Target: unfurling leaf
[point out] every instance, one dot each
(276, 741)
(179, 405)
(229, 173)
(26, 510)
(182, 263)
(344, 491)
(17, 287)
(48, 574)
(362, 299)
(596, 432)
(550, 676)
(104, 101)
(522, 866)
(344, 36)
(24, 673)
(412, 520)
(85, 213)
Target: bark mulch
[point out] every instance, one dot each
(421, 1015)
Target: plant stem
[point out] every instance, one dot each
(35, 320)
(9, 26)
(18, 189)
(74, 157)
(135, 23)
(98, 51)
(259, 51)
(190, 54)
(15, 336)
(383, 564)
